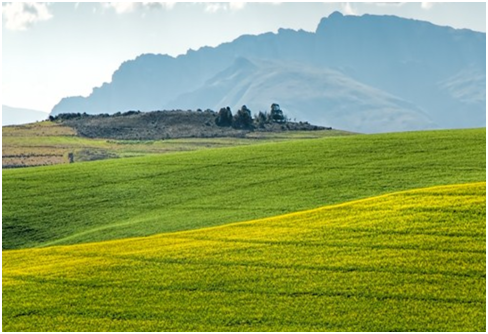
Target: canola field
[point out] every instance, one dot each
(408, 261)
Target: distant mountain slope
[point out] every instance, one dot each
(419, 70)
(341, 101)
(14, 116)
(408, 58)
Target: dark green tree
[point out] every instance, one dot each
(276, 114)
(243, 119)
(261, 119)
(224, 118)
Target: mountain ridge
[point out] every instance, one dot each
(404, 58)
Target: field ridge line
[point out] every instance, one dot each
(327, 207)
(253, 221)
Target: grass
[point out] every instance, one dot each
(48, 143)
(409, 261)
(121, 198)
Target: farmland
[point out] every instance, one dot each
(49, 143)
(112, 199)
(408, 261)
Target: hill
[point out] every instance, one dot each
(112, 199)
(15, 116)
(407, 74)
(411, 261)
(63, 142)
(171, 124)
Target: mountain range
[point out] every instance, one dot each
(14, 116)
(361, 73)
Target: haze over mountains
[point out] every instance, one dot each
(13, 116)
(361, 73)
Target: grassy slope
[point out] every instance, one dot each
(143, 196)
(411, 261)
(48, 143)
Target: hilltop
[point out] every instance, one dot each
(69, 138)
(172, 124)
(362, 73)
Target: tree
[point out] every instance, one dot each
(243, 119)
(224, 118)
(261, 119)
(276, 114)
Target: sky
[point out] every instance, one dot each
(53, 50)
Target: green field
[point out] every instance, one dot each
(103, 200)
(410, 261)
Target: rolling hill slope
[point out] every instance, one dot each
(122, 198)
(410, 261)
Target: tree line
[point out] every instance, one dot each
(244, 120)
(241, 120)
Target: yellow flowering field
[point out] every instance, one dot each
(408, 261)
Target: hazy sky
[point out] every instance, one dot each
(53, 50)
